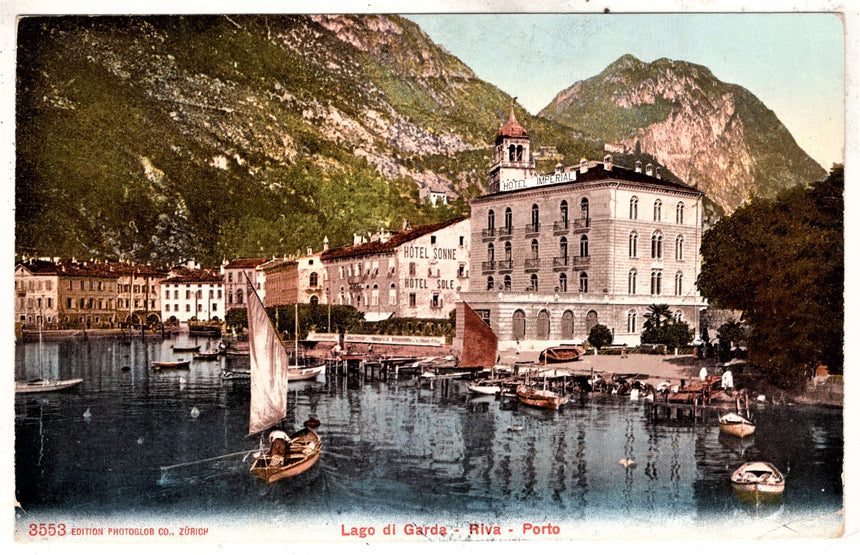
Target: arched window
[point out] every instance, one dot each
(512, 153)
(491, 220)
(658, 210)
(631, 322)
(518, 325)
(314, 300)
(583, 208)
(239, 296)
(590, 320)
(392, 295)
(562, 249)
(509, 219)
(519, 153)
(508, 251)
(491, 284)
(634, 208)
(583, 282)
(491, 252)
(679, 248)
(535, 250)
(374, 295)
(507, 283)
(535, 218)
(563, 210)
(633, 244)
(543, 324)
(567, 325)
(679, 213)
(314, 280)
(631, 282)
(657, 245)
(562, 283)
(533, 282)
(656, 282)
(679, 284)
(583, 245)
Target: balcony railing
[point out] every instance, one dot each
(532, 264)
(559, 262)
(488, 266)
(505, 265)
(532, 229)
(506, 231)
(581, 261)
(581, 224)
(488, 233)
(561, 227)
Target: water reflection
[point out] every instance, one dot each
(394, 447)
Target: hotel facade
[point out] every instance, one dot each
(553, 255)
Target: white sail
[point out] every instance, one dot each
(269, 359)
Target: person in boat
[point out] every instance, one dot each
(703, 373)
(279, 443)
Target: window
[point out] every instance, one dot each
(562, 283)
(187, 308)
(631, 322)
(462, 240)
(656, 282)
(583, 246)
(491, 252)
(535, 250)
(543, 327)
(392, 295)
(239, 297)
(214, 307)
(567, 325)
(533, 282)
(167, 293)
(314, 300)
(562, 249)
(679, 213)
(507, 283)
(535, 218)
(239, 275)
(563, 210)
(484, 315)
(436, 300)
(509, 219)
(508, 251)
(583, 208)
(167, 308)
(679, 284)
(313, 280)
(590, 321)
(633, 244)
(229, 277)
(583, 282)
(518, 321)
(374, 295)
(657, 245)
(412, 299)
(412, 270)
(679, 248)
(491, 220)
(631, 282)
(658, 210)
(490, 283)
(634, 208)
(432, 239)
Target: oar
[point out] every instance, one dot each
(218, 458)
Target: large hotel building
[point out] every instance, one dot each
(553, 255)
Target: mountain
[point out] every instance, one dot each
(715, 136)
(161, 138)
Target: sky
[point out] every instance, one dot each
(793, 63)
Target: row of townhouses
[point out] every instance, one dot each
(542, 259)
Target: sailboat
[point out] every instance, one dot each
(41, 384)
(302, 367)
(288, 454)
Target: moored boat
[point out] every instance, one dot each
(736, 425)
(289, 455)
(562, 353)
(42, 385)
(542, 398)
(186, 348)
(210, 355)
(305, 370)
(172, 365)
(758, 482)
(484, 387)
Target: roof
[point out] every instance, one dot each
(195, 276)
(244, 263)
(89, 268)
(512, 128)
(378, 247)
(277, 263)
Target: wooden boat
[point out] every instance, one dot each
(240, 374)
(759, 482)
(41, 385)
(484, 387)
(186, 348)
(210, 355)
(305, 370)
(542, 398)
(736, 425)
(172, 365)
(563, 353)
(288, 454)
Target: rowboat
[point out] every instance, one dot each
(542, 398)
(41, 385)
(305, 370)
(758, 482)
(289, 455)
(211, 355)
(563, 353)
(172, 365)
(186, 348)
(736, 425)
(482, 387)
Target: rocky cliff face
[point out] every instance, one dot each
(714, 136)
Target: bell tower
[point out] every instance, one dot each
(512, 157)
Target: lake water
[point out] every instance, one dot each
(419, 463)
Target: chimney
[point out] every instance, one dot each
(558, 168)
(325, 243)
(583, 165)
(638, 166)
(649, 170)
(657, 173)
(310, 251)
(607, 162)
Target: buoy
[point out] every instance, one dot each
(195, 412)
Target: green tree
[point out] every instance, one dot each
(600, 336)
(781, 263)
(677, 334)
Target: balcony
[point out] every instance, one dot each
(560, 262)
(581, 261)
(532, 264)
(532, 230)
(561, 227)
(505, 265)
(506, 232)
(352, 280)
(488, 233)
(488, 266)
(581, 224)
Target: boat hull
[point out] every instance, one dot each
(480, 389)
(758, 482)
(736, 425)
(43, 386)
(304, 451)
(207, 356)
(297, 374)
(555, 355)
(539, 398)
(180, 349)
(181, 365)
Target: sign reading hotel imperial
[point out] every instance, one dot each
(507, 185)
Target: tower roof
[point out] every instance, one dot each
(512, 128)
